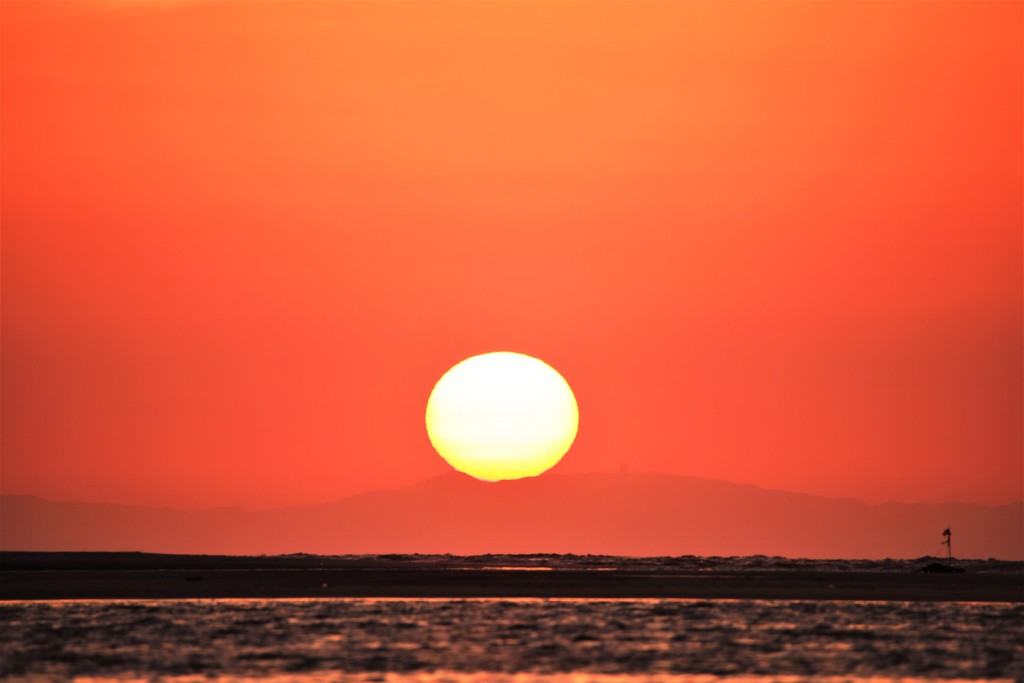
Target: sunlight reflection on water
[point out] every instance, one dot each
(513, 641)
(489, 677)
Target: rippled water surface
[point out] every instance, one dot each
(510, 640)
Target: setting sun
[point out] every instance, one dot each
(502, 416)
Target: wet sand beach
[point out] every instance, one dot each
(55, 576)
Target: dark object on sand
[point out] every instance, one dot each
(939, 568)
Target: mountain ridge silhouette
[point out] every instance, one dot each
(641, 514)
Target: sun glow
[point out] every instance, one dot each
(501, 416)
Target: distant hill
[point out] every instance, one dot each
(618, 514)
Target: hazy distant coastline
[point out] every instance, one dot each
(608, 514)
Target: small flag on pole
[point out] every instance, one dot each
(946, 532)
(948, 543)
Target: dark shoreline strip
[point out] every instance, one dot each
(442, 582)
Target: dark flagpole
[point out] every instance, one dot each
(949, 543)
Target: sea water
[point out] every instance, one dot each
(513, 641)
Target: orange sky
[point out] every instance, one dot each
(775, 243)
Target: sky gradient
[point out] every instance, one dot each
(771, 243)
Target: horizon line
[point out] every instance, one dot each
(455, 473)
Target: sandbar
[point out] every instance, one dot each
(63, 576)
